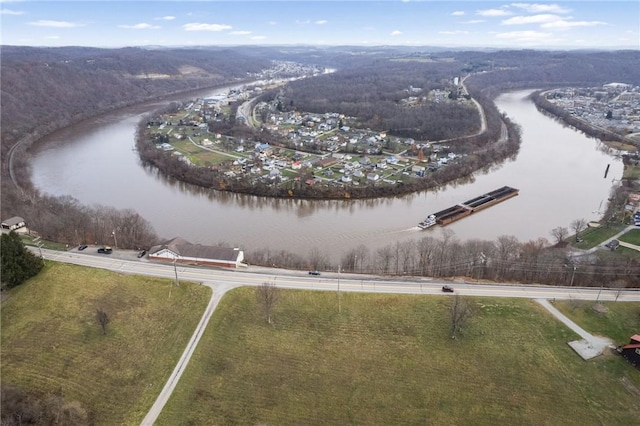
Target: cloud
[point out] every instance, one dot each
(524, 37)
(140, 26)
(11, 12)
(55, 24)
(457, 32)
(473, 21)
(396, 32)
(52, 37)
(493, 12)
(194, 26)
(541, 8)
(563, 25)
(240, 32)
(165, 18)
(258, 37)
(321, 22)
(272, 23)
(458, 13)
(533, 19)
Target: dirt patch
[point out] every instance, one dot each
(600, 308)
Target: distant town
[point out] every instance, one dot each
(614, 106)
(313, 149)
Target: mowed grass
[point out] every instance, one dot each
(389, 359)
(632, 237)
(620, 321)
(52, 343)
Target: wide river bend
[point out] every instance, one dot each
(559, 172)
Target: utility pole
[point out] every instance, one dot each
(573, 275)
(115, 240)
(339, 305)
(176, 271)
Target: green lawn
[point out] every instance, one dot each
(632, 237)
(52, 343)
(594, 236)
(388, 359)
(619, 322)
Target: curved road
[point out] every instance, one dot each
(220, 281)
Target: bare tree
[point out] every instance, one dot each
(460, 314)
(618, 285)
(103, 320)
(267, 295)
(559, 233)
(578, 225)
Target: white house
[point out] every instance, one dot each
(14, 223)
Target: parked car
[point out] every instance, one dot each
(447, 289)
(314, 272)
(82, 247)
(105, 250)
(141, 253)
(613, 244)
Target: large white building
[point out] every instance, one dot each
(184, 252)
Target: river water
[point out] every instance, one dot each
(558, 170)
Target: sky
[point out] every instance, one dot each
(612, 24)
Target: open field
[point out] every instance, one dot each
(619, 322)
(388, 359)
(52, 343)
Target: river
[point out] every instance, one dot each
(558, 170)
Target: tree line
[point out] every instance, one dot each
(504, 260)
(65, 220)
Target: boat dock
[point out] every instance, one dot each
(457, 212)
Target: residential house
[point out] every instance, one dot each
(14, 224)
(631, 351)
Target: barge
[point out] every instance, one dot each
(459, 211)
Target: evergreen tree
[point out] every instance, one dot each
(18, 263)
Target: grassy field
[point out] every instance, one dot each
(594, 236)
(619, 322)
(632, 237)
(52, 343)
(388, 359)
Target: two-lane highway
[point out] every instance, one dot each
(332, 281)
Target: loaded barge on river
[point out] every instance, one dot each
(451, 214)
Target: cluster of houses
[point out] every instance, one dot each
(614, 106)
(320, 148)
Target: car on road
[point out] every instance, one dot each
(314, 272)
(82, 247)
(141, 253)
(105, 250)
(447, 289)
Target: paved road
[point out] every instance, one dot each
(222, 280)
(330, 281)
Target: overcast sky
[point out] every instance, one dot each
(612, 24)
